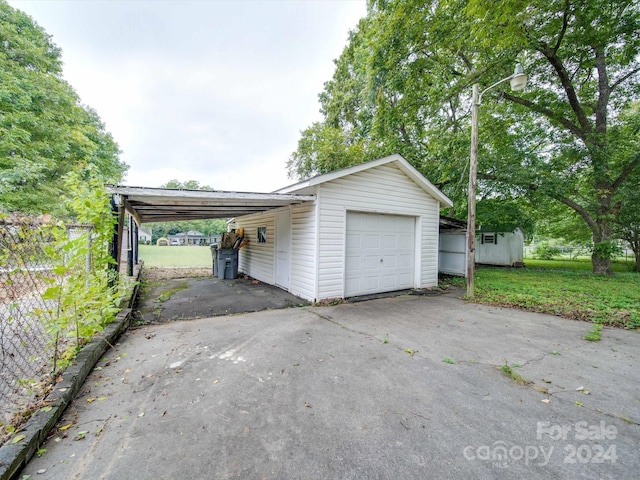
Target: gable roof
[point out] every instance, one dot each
(396, 159)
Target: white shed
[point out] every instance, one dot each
(371, 228)
(500, 246)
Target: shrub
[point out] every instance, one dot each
(544, 251)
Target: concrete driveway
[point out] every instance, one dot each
(196, 297)
(405, 387)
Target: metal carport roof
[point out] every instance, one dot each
(163, 204)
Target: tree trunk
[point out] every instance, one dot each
(635, 248)
(601, 266)
(601, 260)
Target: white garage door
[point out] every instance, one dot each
(379, 253)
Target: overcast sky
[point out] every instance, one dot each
(214, 91)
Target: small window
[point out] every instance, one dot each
(489, 238)
(262, 234)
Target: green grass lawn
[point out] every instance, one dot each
(565, 288)
(580, 263)
(176, 256)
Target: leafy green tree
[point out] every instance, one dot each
(186, 185)
(45, 132)
(322, 149)
(403, 83)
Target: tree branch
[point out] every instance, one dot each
(567, 85)
(583, 212)
(565, 122)
(565, 24)
(625, 77)
(626, 171)
(604, 91)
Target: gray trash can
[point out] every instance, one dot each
(225, 263)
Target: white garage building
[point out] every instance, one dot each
(371, 228)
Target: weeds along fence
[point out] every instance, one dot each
(37, 263)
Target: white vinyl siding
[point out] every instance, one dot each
(383, 189)
(258, 259)
(303, 251)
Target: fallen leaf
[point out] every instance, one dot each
(546, 381)
(579, 389)
(141, 414)
(215, 381)
(546, 400)
(307, 404)
(48, 408)
(579, 403)
(91, 399)
(65, 427)
(81, 435)
(127, 371)
(41, 471)
(101, 399)
(18, 438)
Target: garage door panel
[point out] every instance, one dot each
(389, 281)
(405, 242)
(353, 241)
(372, 242)
(390, 241)
(405, 261)
(389, 262)
(371, 283)
(383, 257)
(371, 262)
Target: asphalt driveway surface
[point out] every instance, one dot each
(188, 298)
(405, 387)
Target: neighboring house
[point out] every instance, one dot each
(372, 228)
(192, 237)
(144, 235)
(502, 246)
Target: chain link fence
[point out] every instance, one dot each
(29, 257)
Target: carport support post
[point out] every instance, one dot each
(473, 173)
(130, 248)
(114, 240)
(136, 253)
